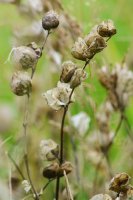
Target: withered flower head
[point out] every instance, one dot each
(106, 28)
(124, 88)
(49, 150)
(54, 170)
(81, 51)
(101, 197)
(58, 97)
(51, 170)
(79, 76)
(21, 83)
(119, 182)
(119, 84)
(68, 69)
(95, 43)
(50, 20)
(24, 57)
(67, 167)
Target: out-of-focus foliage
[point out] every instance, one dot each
(86, 180)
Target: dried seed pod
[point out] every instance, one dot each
(106, 28)
(35, 47)
(68, 69)
(50, 20)
(95, 43)
(79, 76)
(108, 80)
(67, 167)
(51, 171)
(119, 182)
(130, 193)
(21, 83)
(81, 51)
(49, 150)
(101, 197)
(24, 57)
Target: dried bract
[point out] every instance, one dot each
(51, 171)
(24, 57)
(67, 167)
(119, 182)
(95, 43)
(54, 170)
(68, 69)
(21, 83)
(101, 197)
(81, 51)
(119, 84)
(58, 97)
(79, 76)
(50, 20)
(106, 28)
(49, 150)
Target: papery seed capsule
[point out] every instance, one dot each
(106, 28)
(79, 76)
(68, 69)
(35, 47)
(21, 83)
(24, 57)
(51, 171)
(67, 167)
(95, 43)
(50, 20)
(81, 51)
(119, 181)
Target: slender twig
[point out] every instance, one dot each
(5, 141)
(129, 129)
(105, 154)
(75, 158)
(16, 166)
(46, 185)
(44, 43)
(117, 130)
(25, 124)
(86, 63)
(62, 142)
(68, 185)
(10, 183)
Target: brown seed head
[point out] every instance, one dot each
(50, 20)
(21, 83)
(68, 69)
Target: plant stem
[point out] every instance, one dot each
(25, 124)
(62, 142)
(17, 167)
(86, 63)
(44, 43)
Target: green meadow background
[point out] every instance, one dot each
(88, 13)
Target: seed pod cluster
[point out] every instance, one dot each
(120, 184)
(120, 181)
(94, 42)
(71, 74)
(54, 170)
(24, 58)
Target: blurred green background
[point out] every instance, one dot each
(88, 13)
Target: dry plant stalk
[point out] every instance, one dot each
(62, 96)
